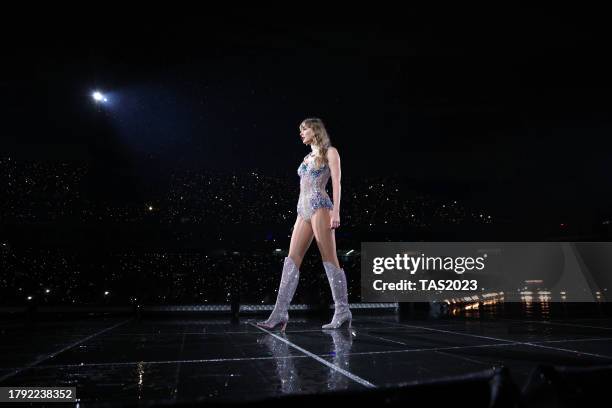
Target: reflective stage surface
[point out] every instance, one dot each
(129, 360)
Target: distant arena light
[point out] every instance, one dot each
(99, 97)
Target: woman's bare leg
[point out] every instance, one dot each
(301, 238)
(325, 236)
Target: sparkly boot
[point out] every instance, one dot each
(337, 282)
(288, 284)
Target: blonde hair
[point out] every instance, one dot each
(321, 139)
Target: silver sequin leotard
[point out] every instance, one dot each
(312, 189)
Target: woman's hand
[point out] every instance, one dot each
(334, 220)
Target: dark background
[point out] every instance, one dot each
(453, 123)
(507, 108)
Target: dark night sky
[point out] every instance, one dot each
(509, 106)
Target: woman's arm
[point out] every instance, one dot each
(333, 159)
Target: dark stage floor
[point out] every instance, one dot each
(163, 359)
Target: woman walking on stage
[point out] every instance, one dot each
(317, 217)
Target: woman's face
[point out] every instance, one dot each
(307, 134)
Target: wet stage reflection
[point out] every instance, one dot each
(337, 342)
(188, 359)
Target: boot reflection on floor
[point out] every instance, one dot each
(285, 367)
(342, 341)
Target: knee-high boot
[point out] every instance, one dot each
(337, 282)
(286, 290)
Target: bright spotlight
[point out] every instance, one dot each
(99, 97)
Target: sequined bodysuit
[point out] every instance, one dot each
(312, 188)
